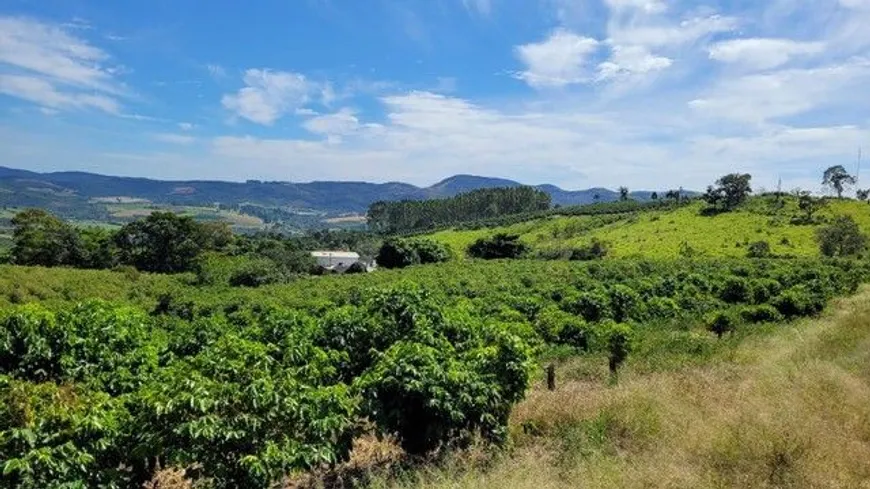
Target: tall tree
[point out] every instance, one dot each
(730, 191)
(40, 238)
(162, 242)
(623, 193)
(837, 178)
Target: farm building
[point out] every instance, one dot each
(335, 260)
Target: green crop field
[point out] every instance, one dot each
(677, 361)
(662, 234)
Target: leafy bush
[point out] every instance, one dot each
(764, 313)
(735, 290)
(758, 249)
(401, 253)
(797, 302)
(61, 436)
(591, 306)
(843, 237)
(255, 273)
(625, 303)
(722, 322)
(498, 246)
(596, 250)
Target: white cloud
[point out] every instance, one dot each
(43, 92)
(760, 53)
(632, 60)
(646, 6)
(340, 123)
(558, 61)
(186, 126)
(174, 138)
(54, 68)
(269, 95)
(763, 97)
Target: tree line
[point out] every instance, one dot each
(411, 215)
(165, 242)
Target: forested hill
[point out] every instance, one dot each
(58, 190)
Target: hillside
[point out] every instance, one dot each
(72, 194)
(663, 234)
(786, 410)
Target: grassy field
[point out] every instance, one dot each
(662, 234)
(126, 211)
(791, 409)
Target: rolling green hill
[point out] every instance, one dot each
(664, 233)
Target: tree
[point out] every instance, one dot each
(40, 238)
(730, 191)
(837, 178)
(163, 242)
(842, 237)
(623, 193)
(863, 195)
(499, 246)
(809, 205)
(654, 196)
(672, 195)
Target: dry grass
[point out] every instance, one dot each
(787, 410)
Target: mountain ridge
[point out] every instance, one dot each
(19, 187)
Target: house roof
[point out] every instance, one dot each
(335, 254)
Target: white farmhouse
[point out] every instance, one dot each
(335, 260)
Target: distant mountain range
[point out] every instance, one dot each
(62, 190)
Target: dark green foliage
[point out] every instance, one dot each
(414, 215)
(596, 250)
(401, 253)
(255, 273)
(442, 380)
(355, 268)
(722, 322)
(730, 191)
(841, 238)
(808, 206)
(40, 238)
(837, 178)
(619, 344)
(758, 249)
(248, 412)
(736, 290)
(623, 193)
(625, 303)
(796, 302)
(591, 306)
(60, 436)
(763, 313)
(499, 246)
(164, 242)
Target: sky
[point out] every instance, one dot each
(650, 94)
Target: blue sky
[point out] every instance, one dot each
(580, 93)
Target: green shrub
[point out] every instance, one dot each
(625, 303)
(401, 253)
(735, 290)
(759, 249)
(591, 306)
(596, 250)
(842, 237)
(722, 322)
(61, 436)
(255, 273)
(797, 302)
(763, 313)
(498, 246)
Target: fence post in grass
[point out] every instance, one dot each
(551, 377)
